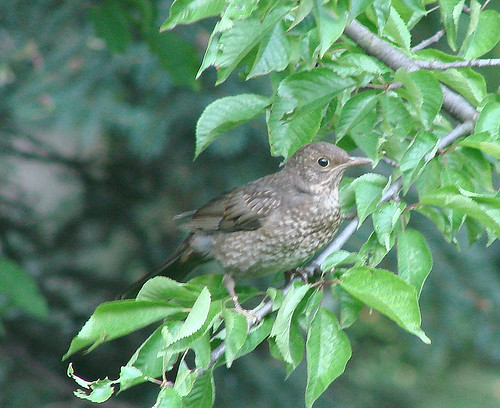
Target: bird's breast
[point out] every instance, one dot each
(289, 236)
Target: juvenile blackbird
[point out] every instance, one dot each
(270, 225)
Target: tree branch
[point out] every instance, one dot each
(459, 64)
(454, 103)
(431, 40)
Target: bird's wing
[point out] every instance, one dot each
(244, 208)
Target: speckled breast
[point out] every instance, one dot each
(288, 239)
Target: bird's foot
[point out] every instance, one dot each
(303, 273)
(228, 282)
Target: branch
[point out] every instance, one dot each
(459, 64)
(454, 103)
(431, 40)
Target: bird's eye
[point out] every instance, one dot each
(323, 161)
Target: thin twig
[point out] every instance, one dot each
(431, 40)
(484, 5)
(456, 133)
(459, 64)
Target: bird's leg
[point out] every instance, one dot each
(304, 274)
(228, 283)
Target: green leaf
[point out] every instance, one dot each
(111, 24)
(482, 208)
(273, 53)
(237, 42)
(256, 336)
(396, 119)
(203, 393)
(385, 219)
(240, 9)
(482, 141)
(195, 319)
(366, 135)
(414, 258)
(312, 90)
(451, 11)
(236, 334)
(360, 64)
(281, 327)
(100, 390)
(201, 348)
(368, 191)
(168, 397)
(484, 37)
(21, 289)
(296, 345)
(489, 119)
(415, 5)
(336, 258)
(177, 343)
(466, 81)
(327, 352)
(165, 288)
(413, 160)
(354, 110)
(350, 307)
(184, 379)
(387, 293)
(177, 56)
(430, 177)
(130, 376)
(357, 7)
(299, 13)
(118, 318)
(397, 31)
(227, 113)
(286, 137)
(372, 252)
(382, 11)
(423, 91)
(330, 22)
(146, 359)
(189, 11)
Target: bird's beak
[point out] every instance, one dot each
(357, 161)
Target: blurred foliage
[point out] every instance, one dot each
(96, 152)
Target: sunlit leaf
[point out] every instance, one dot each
(225, 114)
(236, 334)
(414, 258)
(368, 191)
(451, 11)
(387, 293)
(482, 208)
(354, 110)
(281, 327)
(484, 37)
(189, 11)
(115, 319)
(327, 351)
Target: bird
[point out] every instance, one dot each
(270, 225)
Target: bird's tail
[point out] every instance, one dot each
(177, 267)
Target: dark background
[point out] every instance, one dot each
(96, 156)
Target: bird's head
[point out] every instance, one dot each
(321, 164)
